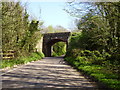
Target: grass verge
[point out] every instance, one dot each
(98, 72)
(22, 60)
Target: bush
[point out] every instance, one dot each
(82, 60)
(88, 57)
(97, 65)
(54, 54)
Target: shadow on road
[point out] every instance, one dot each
(46, 73)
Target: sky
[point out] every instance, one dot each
(51, 13)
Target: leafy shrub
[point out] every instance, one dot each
(54, 54)
(96, 65)
(82, 60)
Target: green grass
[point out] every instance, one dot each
(21, 60)
(100, 73)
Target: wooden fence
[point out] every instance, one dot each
(9, 54)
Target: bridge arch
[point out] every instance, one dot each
(50, 39)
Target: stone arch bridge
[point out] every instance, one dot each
(50, 39)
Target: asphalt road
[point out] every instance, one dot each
(50, 72)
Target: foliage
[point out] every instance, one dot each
(110, 12)
(89, 57)
(99, 22)
(11, 24)
(59, 49)
(18, 33)
(22, 60)
(96, 63)
(93, 32)
(95, 50)
(99, 26)
(32, 36)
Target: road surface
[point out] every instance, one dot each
(50, 72)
